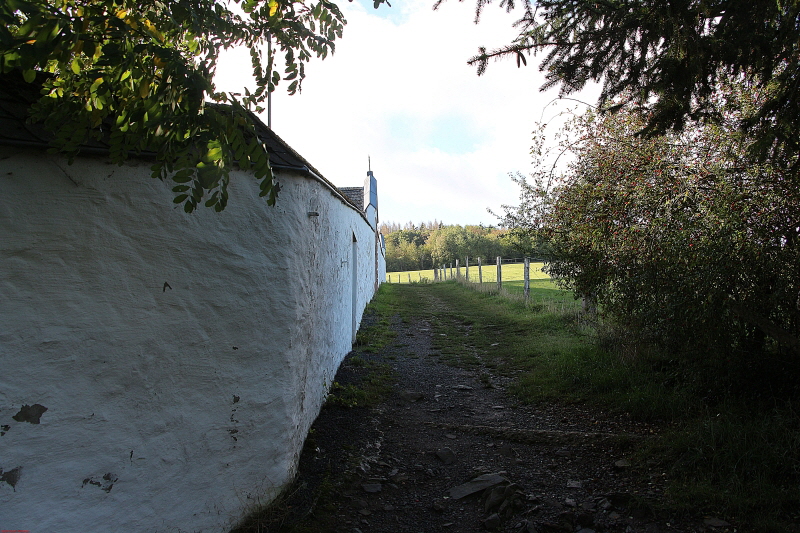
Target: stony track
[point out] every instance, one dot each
(450, 451)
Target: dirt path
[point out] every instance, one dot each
(450, 450)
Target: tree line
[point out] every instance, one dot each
(423, 246)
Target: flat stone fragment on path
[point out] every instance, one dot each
(411, 396)
(446, 456)
(476, 485)
(372, 487)
(716, 522)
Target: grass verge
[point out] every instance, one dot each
(307, 506)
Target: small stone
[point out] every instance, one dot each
(388, 507)
(492, 522)
(563, 452)
(622, 464)
(476, 485)
(511, 490)
(569, 502)
(498, 407)
(438, 507)
(506, 450)
(574, 484)
(446, 456)
(399, 478)
(494, 498)
(566, 520)
(462, 387)
(716, 522)
(451, 436)
(365, 512)
(371, 487)
(411, 396)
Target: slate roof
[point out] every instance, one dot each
(355, 195)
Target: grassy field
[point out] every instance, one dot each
(488, 274)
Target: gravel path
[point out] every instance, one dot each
(451, 451)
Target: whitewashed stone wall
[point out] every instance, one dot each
(180, 358)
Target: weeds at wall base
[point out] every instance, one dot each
(364, 384)
(279, 514)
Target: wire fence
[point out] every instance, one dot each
(506, 270)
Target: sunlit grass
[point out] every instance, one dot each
(511, 272)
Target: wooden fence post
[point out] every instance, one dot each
(480, 272)
(458, 270)
(499, 273)
(527, 270)
(466, 268)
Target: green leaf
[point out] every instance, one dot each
(29, 75)
(180, 198)
(97, 83)
(213, 200)
(183, 176)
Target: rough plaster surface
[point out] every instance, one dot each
(161, 370)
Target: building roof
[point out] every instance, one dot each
(355, 195)
(17, 95)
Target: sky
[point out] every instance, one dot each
(441, 140)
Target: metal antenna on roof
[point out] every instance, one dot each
(369, 164)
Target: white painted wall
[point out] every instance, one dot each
(183, 357)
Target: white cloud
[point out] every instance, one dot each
(442, 140)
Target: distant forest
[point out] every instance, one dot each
(420, 247)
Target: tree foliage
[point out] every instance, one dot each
(420, 248)
(682, 237)
(667, 58)
(139, 75)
